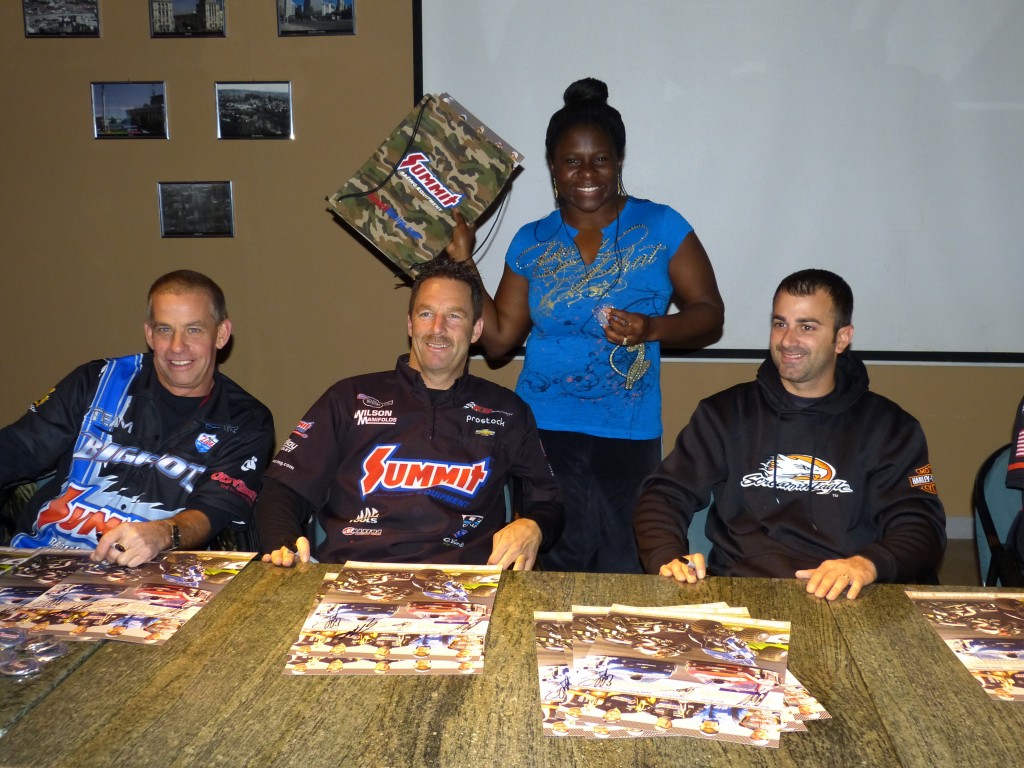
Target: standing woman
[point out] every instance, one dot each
(593, 280)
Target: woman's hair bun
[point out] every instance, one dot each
(587, 89)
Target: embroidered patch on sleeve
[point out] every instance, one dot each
(922, 479)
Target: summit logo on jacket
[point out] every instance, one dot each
(381, 472)
(797, 472)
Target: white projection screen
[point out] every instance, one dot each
(881, 139)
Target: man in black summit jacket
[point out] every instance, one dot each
(411, 465)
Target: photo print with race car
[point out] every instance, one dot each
(704, 671)
(67, 596)
(985, 631)
(379, 618)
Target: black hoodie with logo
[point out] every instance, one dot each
(797, 483)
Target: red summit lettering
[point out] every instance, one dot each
(380, 472)
(416, 164)
(69, 514)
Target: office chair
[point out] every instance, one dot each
(995, 507)
(12, 501)
(236, 540)
(513, 498)
(695, 533)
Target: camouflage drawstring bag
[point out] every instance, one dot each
(438, 159)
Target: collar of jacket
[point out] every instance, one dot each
(214, 411)
(415, 382)
(851, 383)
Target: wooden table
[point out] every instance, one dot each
(18, 697)
(216, 695)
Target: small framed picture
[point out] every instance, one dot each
(123, 110)
(254, 110)
(316, 17)
(187, 18)
(196, 209)
(61, 18)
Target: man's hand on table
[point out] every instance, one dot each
(286, 557)
(516, 545)
(132, 544)
(689, 568)
(830, 578)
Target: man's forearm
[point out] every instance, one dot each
(194, 529)
(550, 518)
(279, 514)
(906, 552)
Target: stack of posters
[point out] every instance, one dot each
(704, 671)
(986, 632)
(64, 594)
(382, 618)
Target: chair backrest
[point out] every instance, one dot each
(12, 503)
(513, 498)
(695, 533)
(995, 507)
(236, 540)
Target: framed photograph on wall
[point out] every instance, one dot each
(187, 18)
(254, 110)
(61, 18)
(316, 17)
(196, 209)
(125, 110)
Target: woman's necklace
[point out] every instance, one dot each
(589, 235)
(591, 268)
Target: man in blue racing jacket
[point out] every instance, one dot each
(148, 452)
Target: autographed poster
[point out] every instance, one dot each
(706, 671)
(985, 630)
(375, 618)
(67, 596)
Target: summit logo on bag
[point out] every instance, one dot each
(440, 158)
(414, 167)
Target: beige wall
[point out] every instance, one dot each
(80, 220)
(310, 303)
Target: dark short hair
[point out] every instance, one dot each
(445, 267)
(188, 281)
(586, 103)
(809, 281)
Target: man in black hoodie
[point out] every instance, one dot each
(809, 475)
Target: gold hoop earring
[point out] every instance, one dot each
(554, 190)
(622, 189)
